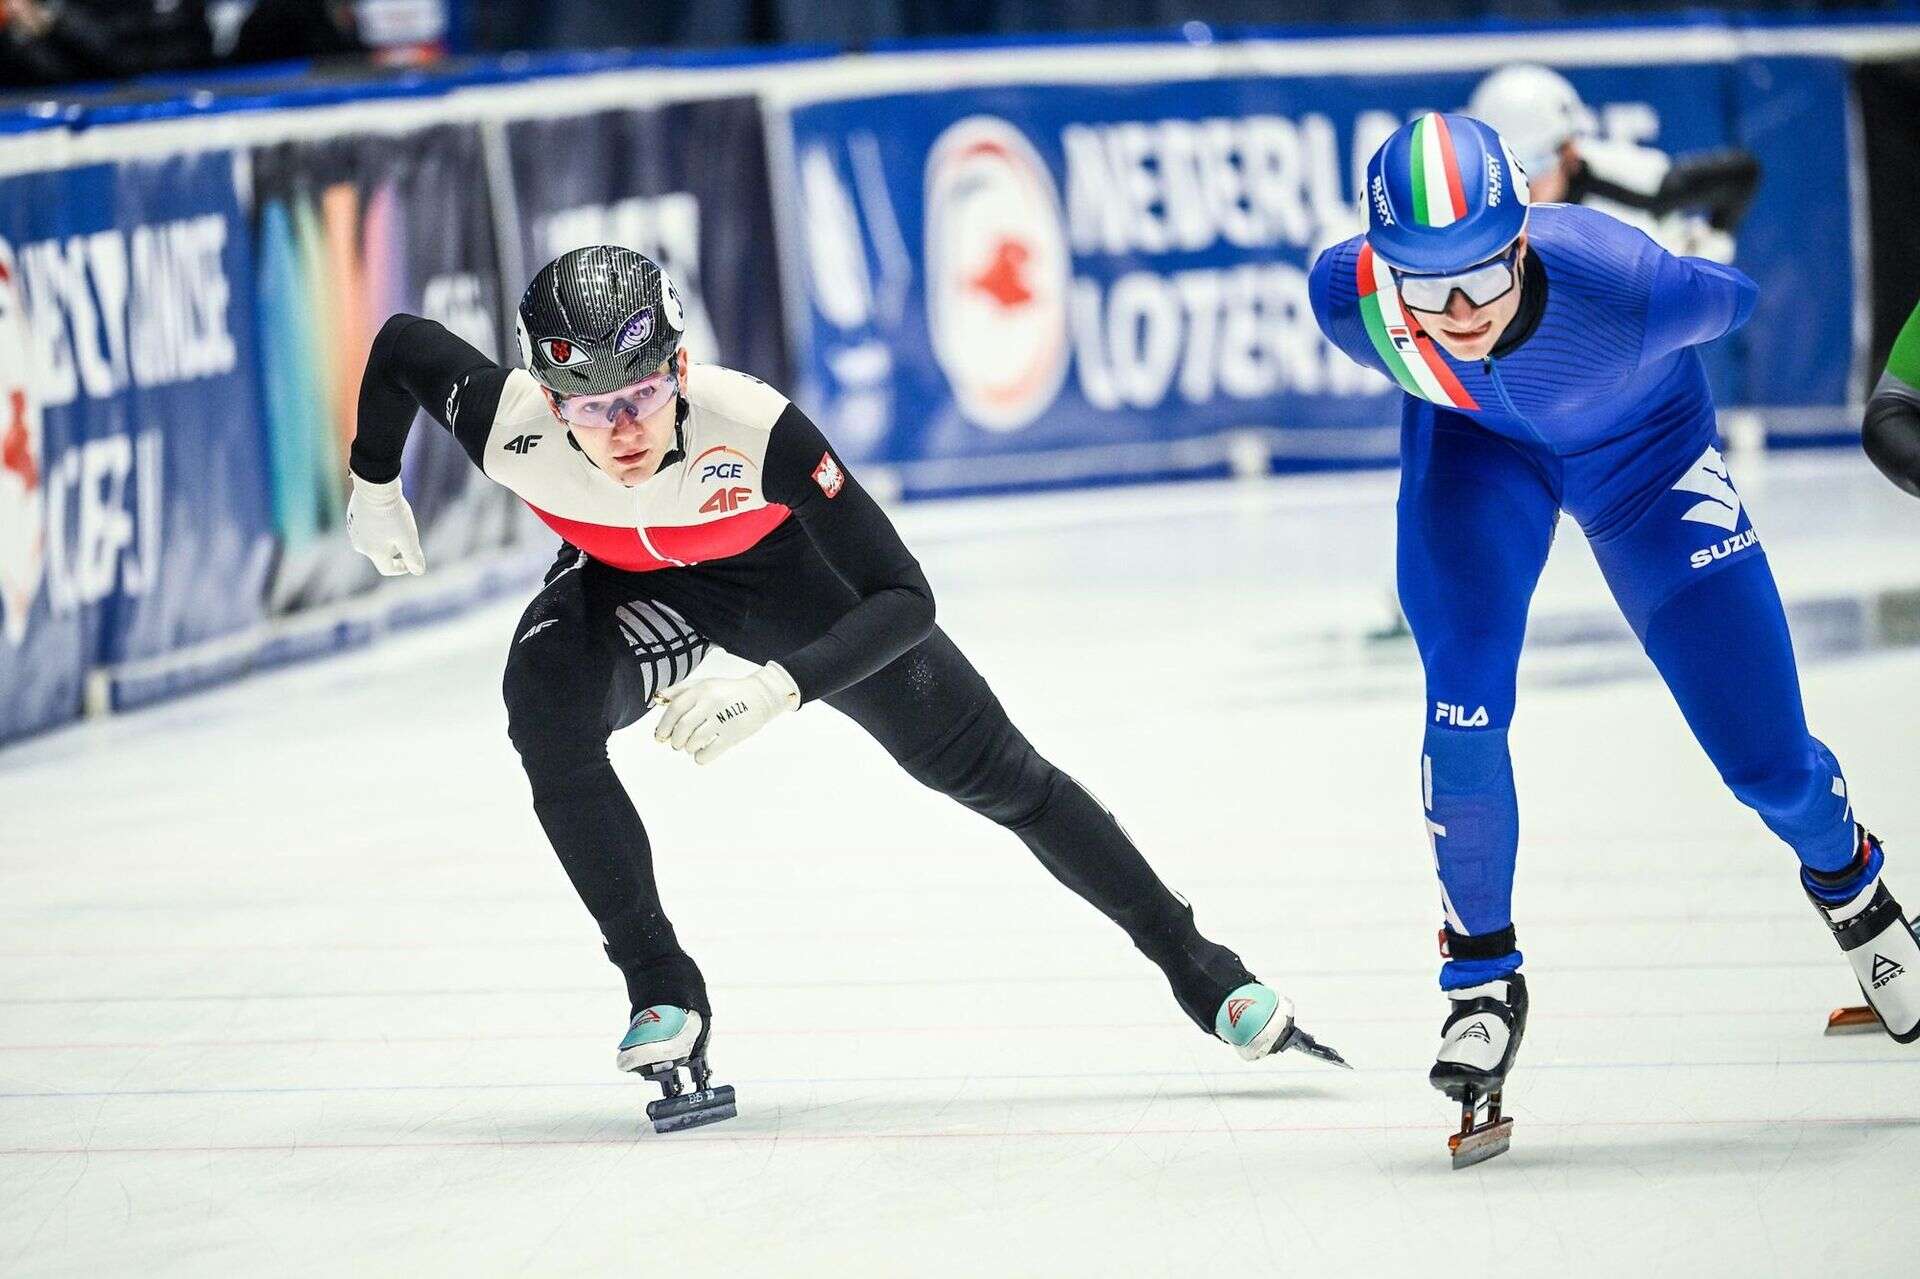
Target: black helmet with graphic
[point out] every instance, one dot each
(598, 319)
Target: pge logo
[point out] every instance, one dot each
(23, 523)
(722, 464)
(997, 273)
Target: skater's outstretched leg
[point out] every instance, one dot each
(1693, 607)
(935, 714)
(1747, 713)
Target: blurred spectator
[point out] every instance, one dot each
(277, 29)
(45, 42)
(1690, 203)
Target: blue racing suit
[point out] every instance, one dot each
(1594, 402)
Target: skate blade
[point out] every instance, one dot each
(1482, 1144)
(692, 1109)
(1300, 1041)
(1856, 1020)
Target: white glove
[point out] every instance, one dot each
(705, 717)
(380, 526)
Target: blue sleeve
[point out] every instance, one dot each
(1692, 300)
(1319, 293)
(1334, 295)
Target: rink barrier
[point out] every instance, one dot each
(196, 278)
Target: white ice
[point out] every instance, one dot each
(290, 982)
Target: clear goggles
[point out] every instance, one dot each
(1481, 284)
(642, 399)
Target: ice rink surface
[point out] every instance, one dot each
(290, 982)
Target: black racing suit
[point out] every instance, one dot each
(835, 597)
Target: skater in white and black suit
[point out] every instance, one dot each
(698, 506)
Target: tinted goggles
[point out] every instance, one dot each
(643, 398)
(1481, 284)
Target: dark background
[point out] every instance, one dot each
(527, 24)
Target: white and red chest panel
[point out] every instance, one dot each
(708, 506)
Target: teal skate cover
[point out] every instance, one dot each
(652, 1025)
(1245, 1013)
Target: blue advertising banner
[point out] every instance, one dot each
(351, 231)
(1000, 277)
(133, 514)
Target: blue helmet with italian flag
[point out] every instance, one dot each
(1443, 193)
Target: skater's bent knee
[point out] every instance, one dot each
(991, 768)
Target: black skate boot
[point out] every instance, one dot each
(1879, 942)
(1478, 1044)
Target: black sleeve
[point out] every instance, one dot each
(1891, 436)
(1721, 183)
(417, 364)
(895, 611)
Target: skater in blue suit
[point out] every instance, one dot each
(1546, 356)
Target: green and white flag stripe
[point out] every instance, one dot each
(1439, 199)
(1408, 354)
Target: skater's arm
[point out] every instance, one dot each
(1891, 433)
(1721, 182)
(414, 364)
(417, 364)
(1692, 301)
(855, 536)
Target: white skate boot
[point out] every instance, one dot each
(1880, 943)
(1478, 1044)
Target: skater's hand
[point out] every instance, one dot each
(706, 717)
(380, 526)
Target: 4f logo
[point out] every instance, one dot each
(521, 443)
(725, 500)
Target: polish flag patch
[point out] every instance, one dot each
(829, 476)
(1235, 1007)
